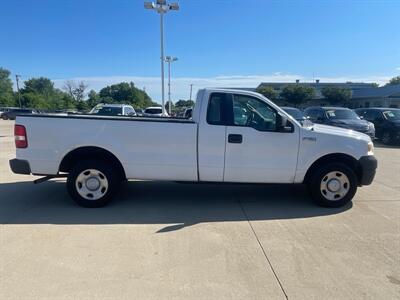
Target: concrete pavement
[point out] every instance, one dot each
(162, 240)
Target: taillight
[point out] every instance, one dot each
(20, 136)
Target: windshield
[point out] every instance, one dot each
(340, 114)
(110, 111)
(153, 111)
(392, 114)
(295, 113)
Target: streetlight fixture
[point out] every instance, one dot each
(162, 7)
(169, 60)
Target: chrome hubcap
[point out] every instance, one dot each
(91, 184)
(334, 186)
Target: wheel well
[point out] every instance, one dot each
(90, 153)
(336, 157)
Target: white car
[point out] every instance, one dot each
(233, 136)
(113, 110)
(154, 111)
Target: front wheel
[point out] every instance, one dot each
(92, 183)
(333, 185)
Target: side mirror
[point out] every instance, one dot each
(282, 122)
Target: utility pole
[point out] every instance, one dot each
(19, 94)
(191, 88)
(162, 8)
(169, 60)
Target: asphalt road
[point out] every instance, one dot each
(162, 240)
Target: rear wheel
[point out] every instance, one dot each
(333, 185)
(92, 183)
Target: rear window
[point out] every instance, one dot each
(215, 114)
(23, 111)
(110, 111)
(295, 113)
(153, 111)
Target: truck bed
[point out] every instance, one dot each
(165, 148)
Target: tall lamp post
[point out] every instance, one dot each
(191, 88)
(169, 60)
(19, 93)
(162, 7)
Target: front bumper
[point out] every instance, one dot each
(19, 166)
(368, 169)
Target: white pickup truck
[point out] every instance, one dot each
(233, 136)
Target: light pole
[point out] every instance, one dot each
(191, 88)
(169, 60)
(19, 94)
(162, 8)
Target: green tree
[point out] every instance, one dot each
(268, 92)
(6, 89)
(336, 95)
(394, 81)
(40, 93)
(125, 93)
(93, 99)
(297, 94)
(184, 103)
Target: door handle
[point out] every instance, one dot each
(235, 138)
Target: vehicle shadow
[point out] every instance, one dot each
(176, 205)
(381, 145)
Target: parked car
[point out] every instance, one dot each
(113, 110)
(139, 112)
(297, 114)
(13, 112)
(386, 121)
(3, 110)
(154, 111)
(262, 146)
(340, 117)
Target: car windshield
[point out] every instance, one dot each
(153, 111)
(340, 114)
(110, 111)
(392, 114)
(295, 113)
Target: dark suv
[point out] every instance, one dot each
(386, 120)
(13, 112)
(340, 117)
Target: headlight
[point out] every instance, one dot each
(370, 147)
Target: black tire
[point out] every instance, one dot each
(386, 138)
(316, 185)
(103, 169)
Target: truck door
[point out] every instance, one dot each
(255, 150)
(211, 138)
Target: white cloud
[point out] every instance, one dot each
(180, 86)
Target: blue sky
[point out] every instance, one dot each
(218, 42)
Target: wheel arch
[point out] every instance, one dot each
(347, 159)
(90, 153)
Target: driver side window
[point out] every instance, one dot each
(252, 112)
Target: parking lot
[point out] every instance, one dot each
(166, 240)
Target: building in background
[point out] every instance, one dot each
(362, 94)
(386, 96)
